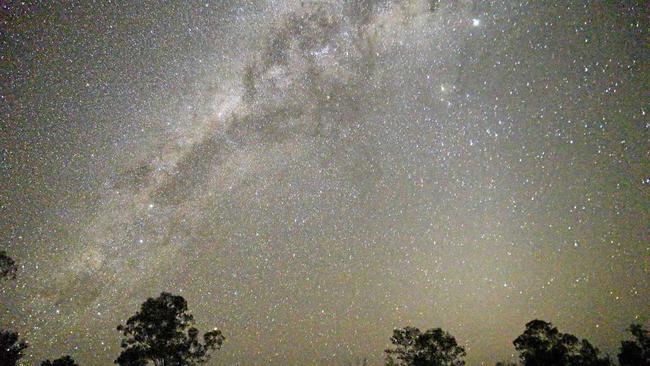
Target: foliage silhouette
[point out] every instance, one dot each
(434, 347)
(542, 344)
(62, 361)
(635, 352)
(162, 333)
(11, 348)
(8, 266)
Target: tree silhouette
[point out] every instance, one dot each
(8, 266)
(162, 333)
(11, 348)
(62, 361)
(542, 344)
(635, 352)
(434, 347)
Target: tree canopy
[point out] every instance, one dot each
(542, 344)
(162, 333)
(635, 352)
(8, 266)
(62, 361)
(11, 348)
(434, 347)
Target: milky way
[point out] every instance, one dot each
(311, 175)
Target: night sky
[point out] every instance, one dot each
(310, 176)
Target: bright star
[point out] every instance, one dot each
(476, 22)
